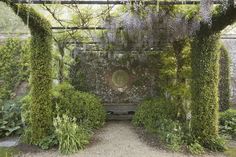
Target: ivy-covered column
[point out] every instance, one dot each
(41, 79)
(205, 70)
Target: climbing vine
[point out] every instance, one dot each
(41, 82)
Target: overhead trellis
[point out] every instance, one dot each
(121, 2)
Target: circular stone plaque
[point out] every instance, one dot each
(120, 78)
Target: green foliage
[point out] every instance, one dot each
(25, 109)
(41, 81)
(85, 107)
(195, 148)
(76, 77)
(14, 66)
(146, 114)
(204, 87)
(171, 133)
(172, 71)
(156, 117)
(228, 123)
(224, 82)
(215, 144)
(48, 142)
(10, 119)
(205, 71)
(71, 137)
(181, 90)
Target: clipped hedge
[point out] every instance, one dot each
(85, 107)
(224, 82)
(14, 66)
(41, 119)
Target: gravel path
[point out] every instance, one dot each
(117, 139)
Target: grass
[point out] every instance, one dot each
(8, 152)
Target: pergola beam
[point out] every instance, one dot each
(7, 35)
(78, 28)
(113, 2)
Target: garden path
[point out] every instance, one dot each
(118, 139)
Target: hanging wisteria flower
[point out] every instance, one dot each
(206, 10)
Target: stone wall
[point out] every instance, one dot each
(118, 78)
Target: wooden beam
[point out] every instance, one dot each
(77, 28)
(7, 35)
(113, 2)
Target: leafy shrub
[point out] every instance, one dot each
(10, 119)
(215, 144)
(195, 148)
(48, 142)
(228, 123)
(224, 79)
(71, 136)
(170, 132)
(156, 116)
(151, 111)
(85, 107)
(14, 66)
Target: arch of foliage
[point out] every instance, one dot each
(41, 81)
(205, 70)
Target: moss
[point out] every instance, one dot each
(224, 83)
(41, 81)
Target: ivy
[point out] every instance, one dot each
(41, 81)
(204, 89)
